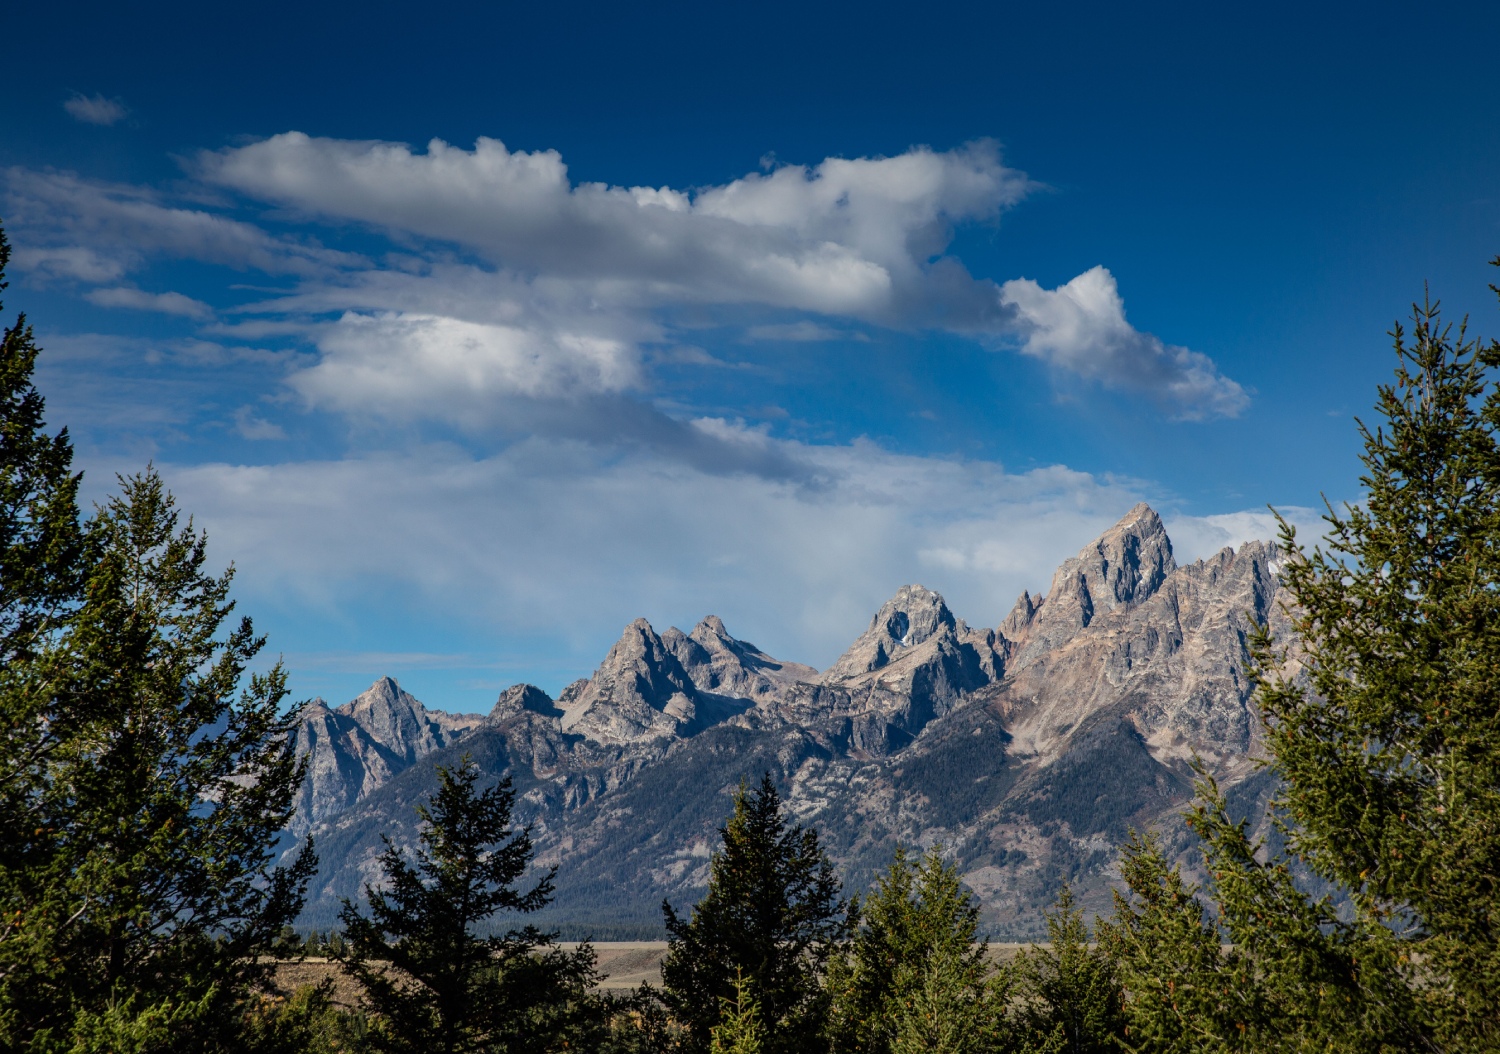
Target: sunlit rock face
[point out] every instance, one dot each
(354, 749)
(1027, 750)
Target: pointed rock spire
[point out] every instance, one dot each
(1119, 570)
(639, 691)
(913, 616)
(717, 662)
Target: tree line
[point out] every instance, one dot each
(147, 774)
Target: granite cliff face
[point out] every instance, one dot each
(1026, 750)
(354, 749)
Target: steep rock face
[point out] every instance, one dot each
(912, 617)
(912, 665)
(396, 720)
(1124, 566)
(1026, 751)
(356, 748)
(1171, 661)
(641, 692)
(717, 662)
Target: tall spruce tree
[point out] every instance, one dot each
(1171, 960)
(42, 566)
(42, 551)
(151, 887)
(435, 984)
(1389, 746)
(916, 967)
(772, 916)
(1274, 970)
(1069, 994)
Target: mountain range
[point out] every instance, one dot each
(1027, 751)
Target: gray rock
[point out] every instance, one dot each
(356, 748)
(1027, 750)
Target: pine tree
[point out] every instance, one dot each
(739, 1030)
(1170, 960)
(1070, 995)
(1389, 744)
(42, 565)
(916, 945)
(942, 1005)
(1289, 975)
(42, 549)
(150, 887)
(436, 986)
(772, 914)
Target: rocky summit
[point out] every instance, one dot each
(1027, 751)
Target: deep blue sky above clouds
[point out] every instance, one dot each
(759, 310)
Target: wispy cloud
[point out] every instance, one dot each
(95, 109)
(552, 538)
(140, 300)
(59, 219)
(803, 332)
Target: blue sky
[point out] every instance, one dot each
(757, 310)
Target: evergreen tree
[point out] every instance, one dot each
(436, 986)
(42, 566)
(1388, 743)
(1294, 976)
(739, 1030)
(149, 888)
(915, 958)
(42, 550)
(772, 915)
(1069, 993)
(1170, 960)
(942, 1005)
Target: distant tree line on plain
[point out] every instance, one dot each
(146, 775)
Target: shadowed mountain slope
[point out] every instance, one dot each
(1027, 750)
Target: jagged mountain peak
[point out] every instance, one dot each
(355, 748)
(523, 698)
(1029, 748)
(912, 617)
(397, 720)
(1125, 564)
(639, 691)
(711, 626)
(720, 663)
(1119, 570)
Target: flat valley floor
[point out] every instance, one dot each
(625, 965)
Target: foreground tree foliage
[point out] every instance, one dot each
(1069, 994)
(917, 974)
(157, 804)
(772, 917)
(1272, 970)
(42, 545)
(1389, 747)
(435, 986)
(144, 778)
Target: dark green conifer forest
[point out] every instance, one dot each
(147, 774)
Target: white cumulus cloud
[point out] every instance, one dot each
(1081, 327)
(417, 365)
(549, 286)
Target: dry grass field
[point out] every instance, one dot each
(625, 964)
